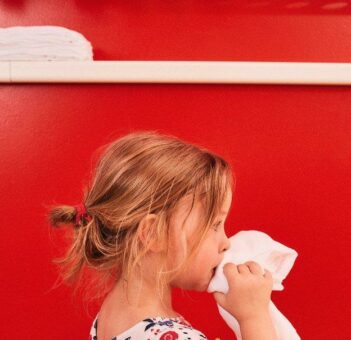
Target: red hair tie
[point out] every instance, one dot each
(81, 212)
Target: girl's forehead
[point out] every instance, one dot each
(186, 202)
(197, 203)
(227, 201)
(184, 220)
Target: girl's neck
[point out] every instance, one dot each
(141, 295)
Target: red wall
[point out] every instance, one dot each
(290, 147)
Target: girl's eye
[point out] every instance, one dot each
(215, 227)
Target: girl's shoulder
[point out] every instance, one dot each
(162, 328)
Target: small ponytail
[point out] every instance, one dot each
(62, 214)
(65, 214)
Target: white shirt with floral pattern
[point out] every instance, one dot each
(156, 328)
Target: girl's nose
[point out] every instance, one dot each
(226, 243)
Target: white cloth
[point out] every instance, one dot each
(254, 245)
(42, 43)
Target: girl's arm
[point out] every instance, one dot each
(258, 328)
(248, 299)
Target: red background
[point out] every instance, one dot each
(290, 148)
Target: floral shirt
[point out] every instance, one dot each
(160, 328)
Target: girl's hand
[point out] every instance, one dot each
(249, 290)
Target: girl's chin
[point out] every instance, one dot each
(203, 288)
(200, 285)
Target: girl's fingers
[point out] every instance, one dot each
(219, 297)
(243, 268)
(268, 274)
(230, 269)
(255, 267)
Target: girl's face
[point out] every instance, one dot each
(200, 270)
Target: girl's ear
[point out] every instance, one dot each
(147, 233)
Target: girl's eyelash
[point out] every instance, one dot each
(217, 224)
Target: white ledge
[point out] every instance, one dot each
(206, 72)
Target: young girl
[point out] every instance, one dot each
(152, 219)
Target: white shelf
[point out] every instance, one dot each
(203, 72)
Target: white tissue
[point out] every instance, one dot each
(254, 245)
(39, 43)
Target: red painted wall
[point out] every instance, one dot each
(290, 147)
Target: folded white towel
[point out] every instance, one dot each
(254, 245)
(42, 43)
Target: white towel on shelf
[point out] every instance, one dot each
(254, 245)
(43, 43)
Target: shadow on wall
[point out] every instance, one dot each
(230, 6)
(286, 7)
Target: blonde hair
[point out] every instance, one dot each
(143, 172)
